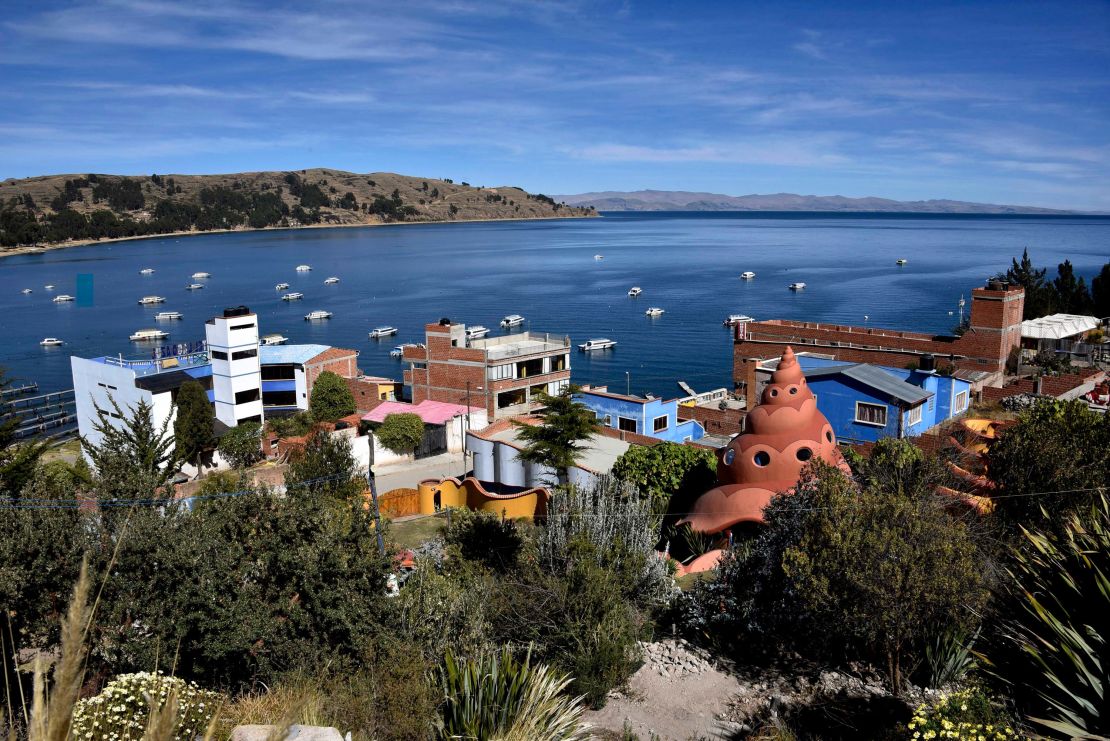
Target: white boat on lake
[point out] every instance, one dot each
(512, 320)
(796, 286)
(599, 343)
(476, 332)
(165, 316)
(146, 300)
(194, 286)
(63, 298)
(399, 351)
(318, 314)
(734, 319)
(902, 261)
(303, 268)
(146, 271)
(654, 311)
(149, 335)
(273, 339)
(331, 281)
(747, 275)
(26, 290)
(378, 332)
(599, 257)
(281, 286)
(294, 296)
(635, 291)
(49, 287)
(201, 275)
(51, 342)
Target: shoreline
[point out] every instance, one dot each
(40, 249)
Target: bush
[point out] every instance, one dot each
(497, 697)
(241, 446)
(401, 433)
(486, 538)
(667, 472)
(331, 398)
(967, 715)
(293, 426)
(123, 708)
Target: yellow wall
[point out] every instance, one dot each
(470, 494)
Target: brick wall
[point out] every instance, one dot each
(367, 393)
(715, 421)
(343, 363)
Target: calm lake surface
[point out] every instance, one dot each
(687, 263)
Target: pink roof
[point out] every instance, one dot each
(432, 412)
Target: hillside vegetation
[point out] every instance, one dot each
(59, 208)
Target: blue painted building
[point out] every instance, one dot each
(652, 417)
(864, 402)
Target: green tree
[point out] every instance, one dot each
(557, 441)
(1038, 295)
(137, 459)
(667, 472)
(1051, 461)
(193, 432)
(1100, 292)
(331, 398)
(401, 433)
(326, 468)
(1070, 295)
(17, 459)
(241, 446)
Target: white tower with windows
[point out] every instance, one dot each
(236, 373)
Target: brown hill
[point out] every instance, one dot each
(62, 208)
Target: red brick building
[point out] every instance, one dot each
(995, 329)
(502, 374)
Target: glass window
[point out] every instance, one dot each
(961, 401)
(278, 372)
(659, 423)
(913, 416)
(243, 326)
(244, 354)
(242, 397)
(871, 414)
(626, 424)
(218, 354)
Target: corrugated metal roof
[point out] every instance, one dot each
(295, 354)
(1058, 326)
(876, 378)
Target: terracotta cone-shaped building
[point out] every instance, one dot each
(783, 433)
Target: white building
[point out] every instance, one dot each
(236, 370)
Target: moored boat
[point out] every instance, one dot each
(476, 332)
(599, 343)
(281, 286)
(273, 339)
(654, 311)
(27, 290)
(318, 314)
(902, 261)
(331, 281)
(399, 350)
(303, 268)
(512, 320)
(379, 332)
(635, 291)
(194, 286)
(149, 335)
(146, 271)
(734, 319)
(747, 275)
(62, 298)
(49, 287)
(145, 300)
(51, 342)
(201, 275)
(294, 296)
(168, 315)
(599, 257)
(796, 286)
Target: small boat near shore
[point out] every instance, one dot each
(63, 298)
(294, 296)
(147, 300)
(599, 257)
(901, 261)
(48, 287)
(318, 314)
(165, 316)
(512, 320)
(51, 342)
(146, 271)
(654, 311)
(378, 332)
(599, 343)
(194, 286)
(734, 319)
(399, 350)
(26, 290)
(797, 286)
(635, 291)
(201, 275)
(303, 268)
(273, 339)
(331, 281)
(747, 275)
(476, 332)
(149, 335)
(281, 286)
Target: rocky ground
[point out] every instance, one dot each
(681, 692)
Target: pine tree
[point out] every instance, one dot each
(134, 460)
(1100, 292)
(1070, 295)
(555, 442)
(192, 430)
(1038, 298)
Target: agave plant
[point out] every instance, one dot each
(498, 698)
(950, 657)
(1063, 585)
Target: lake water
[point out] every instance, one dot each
(688, 264)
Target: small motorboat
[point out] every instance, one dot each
(146, 271)
(599, 257)
(902, 261)
(654, 311)
(51, 342)
(734, 319)
(331, 281)
(476, 332)
(318, 314)
(600, 343)
(146, 300)
(378, 332)
(273, 339)
(303, 268)
(747, 275)
(796, 286)
(512, 320)
(63, 298)
(399, 351)
(635, 291)
(294, 296)
(165, 316)
(194, 286)
(149, 335)
(49, 287)
(201, 275)
(27, 290)
(281, 286)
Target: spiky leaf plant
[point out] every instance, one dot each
(499, 698)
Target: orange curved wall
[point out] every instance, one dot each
(470, 493)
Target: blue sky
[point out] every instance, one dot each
(1005, 102)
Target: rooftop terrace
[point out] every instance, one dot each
(165, 359)
(521, 343)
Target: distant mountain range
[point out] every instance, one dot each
(680, 200)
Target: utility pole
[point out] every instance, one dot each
(374, 500)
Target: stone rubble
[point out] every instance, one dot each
(673, 657)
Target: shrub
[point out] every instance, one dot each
(497, 697)
(443, 612)
(292, 426)
(331, 398)
(667, 471)
(241, 446)
(401, 433)
(967, 715)
(123, 708)
(486, 538)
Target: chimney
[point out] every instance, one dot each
(928, 364)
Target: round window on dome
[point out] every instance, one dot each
(804, 454)
(774, 392)
(793, 390)
(762, 458)
(730, 456)
(828, 435)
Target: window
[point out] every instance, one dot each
(608, 420)
(730, 456)
(419, 366)
(243, 326)
(244, 354)
(500, 372)
(871, 414)
(659, 423)
(762, 459)
(278, 372)
(218, 354)
(279, 398)
(255, 418)
(913, 416)
(626, 424)
(961, 402)
(243, 397)
(104, 385)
